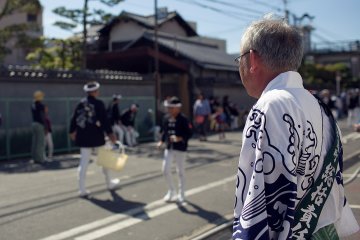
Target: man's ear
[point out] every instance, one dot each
(254, 61)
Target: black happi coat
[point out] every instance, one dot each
(90, 123)
(113, 113)
(181, 127)
(38, 112)
(128, 118)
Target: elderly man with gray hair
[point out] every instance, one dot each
(289, 181)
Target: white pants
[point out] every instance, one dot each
(82, 169)
(157, 135)
(130, 136)
(179, 157)
(234, 122)
(49, 144)
(353, 116)
(119, 132)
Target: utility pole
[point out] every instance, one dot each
(286, 11)
(84, 52)
(156, 74)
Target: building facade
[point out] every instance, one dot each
(34, 29)
(188, 63)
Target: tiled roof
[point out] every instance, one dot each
(149, 22)
(205, 55)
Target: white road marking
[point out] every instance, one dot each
(347, 175)
(149, 211)
(350, 156)
(127, 223)
(355, 206)
(102, 222)
(345, 139)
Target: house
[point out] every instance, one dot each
(32, 20)
(347, 52)
(188, 63)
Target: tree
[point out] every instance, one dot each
(323, 76)
(76, 17)
(16, 31)
(57, 54)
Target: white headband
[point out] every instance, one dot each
(94, 86)
(166, 104)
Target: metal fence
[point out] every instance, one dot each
(16, 133)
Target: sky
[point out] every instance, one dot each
(335, 20)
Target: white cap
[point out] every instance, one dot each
(117, 96)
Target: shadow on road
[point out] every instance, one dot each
(28, 166)
(120, 205)
(193, 209)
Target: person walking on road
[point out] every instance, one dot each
(289, 180)
(38, 128)
(202, 112)
(114, 117)
(353, 107)
(176, 132)
(88, 125)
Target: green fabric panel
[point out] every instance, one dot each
(326, 233)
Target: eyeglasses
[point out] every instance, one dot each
(237, 60)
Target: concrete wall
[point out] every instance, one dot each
(61, 96)
(24, 87)
(18, 94)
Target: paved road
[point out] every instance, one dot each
(40, 202)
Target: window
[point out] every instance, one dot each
(31, 17)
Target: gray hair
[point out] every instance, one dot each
(280, 45)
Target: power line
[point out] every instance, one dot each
(218, 10)
(216, 22)
(227, 30)
(235, 5)
(324, 39)
(328, 33)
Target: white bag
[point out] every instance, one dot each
(114, 159)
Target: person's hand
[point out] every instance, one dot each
(112, 138)
(174, 139)
(357, 127)
(159, 144)
(73, 136)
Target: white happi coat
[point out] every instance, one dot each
(285, 140)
